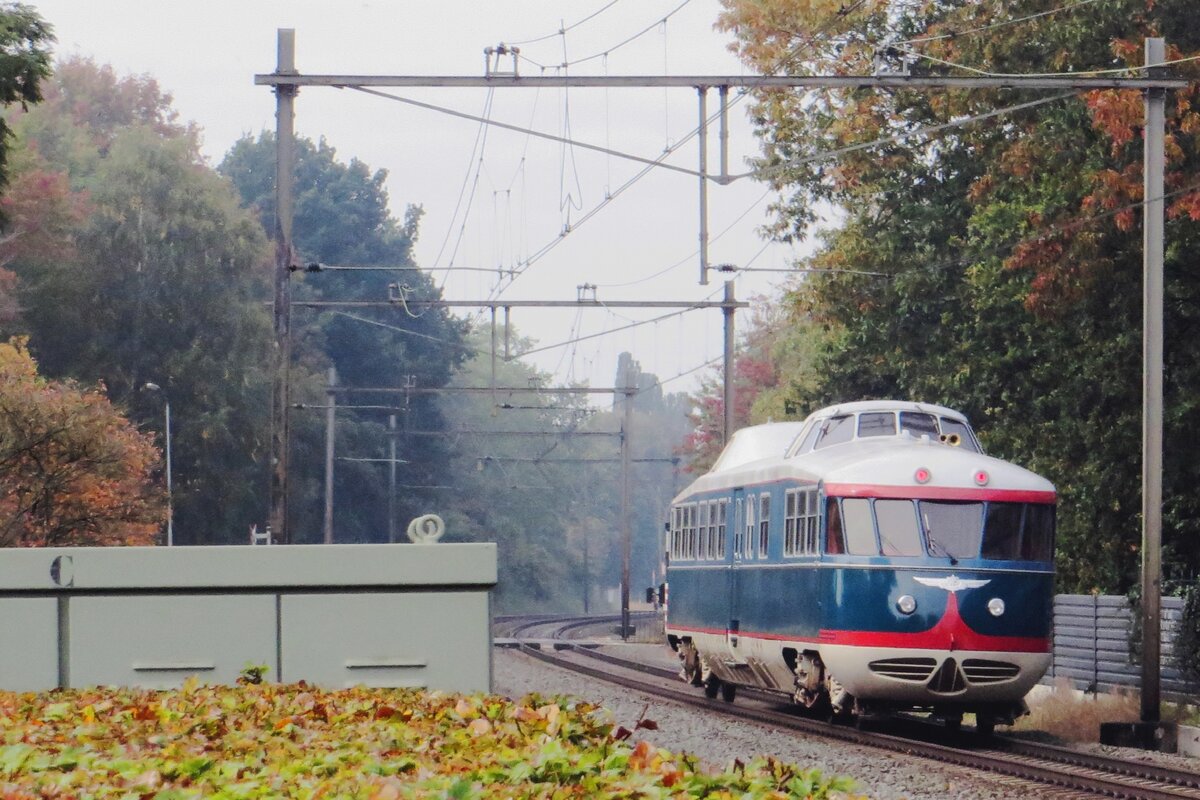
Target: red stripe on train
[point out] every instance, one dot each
(937, 493)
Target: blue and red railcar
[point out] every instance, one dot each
(868, 560)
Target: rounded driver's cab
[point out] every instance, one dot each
(877, 418)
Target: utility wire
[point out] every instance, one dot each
(1079, 74)
(634, 37)
(953, 34)
(928, 129)
(653, 162)
(605, 333)
(565, 29)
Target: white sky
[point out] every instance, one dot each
(525, 190)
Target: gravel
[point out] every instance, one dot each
(717, 741)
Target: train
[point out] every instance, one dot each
(867, 561)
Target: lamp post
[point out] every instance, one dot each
(154, 387)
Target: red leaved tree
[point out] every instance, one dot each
(73, 471)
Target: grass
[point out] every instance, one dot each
(1070, 716)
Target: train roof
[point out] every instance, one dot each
(860, 406)
(757, 442)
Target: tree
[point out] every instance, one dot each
(73, 471)
(342, 219)
(147, 270)
(24, 63)
(1003, 256)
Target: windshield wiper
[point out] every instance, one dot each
(934, 543)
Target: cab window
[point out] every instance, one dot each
(835, 538)
(919, 424)
(898, 532)
(835, 430)
(859, 527)
(877, 423)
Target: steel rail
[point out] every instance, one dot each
(1060, 767)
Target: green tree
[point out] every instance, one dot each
(158, 276)
(342, 219)
(1004, 254)
(25, 39)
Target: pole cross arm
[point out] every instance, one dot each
(726, 82)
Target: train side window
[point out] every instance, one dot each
(919, 424)
(812, 522)
(1002, 531)
(809, 438)
(764, 524)
(835, 538)
(737, 531)
(898, 532)
(676, 526)
(876, 423)
(835, 430)
(952, 529)
(750, 526)
(859, 527)
(702, 538)
(791, 521)
(722, 524)
(1037, 544)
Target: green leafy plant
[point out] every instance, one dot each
(294, 741)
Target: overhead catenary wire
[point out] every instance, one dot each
(954, 34)
(564, 29)
(1083, 73)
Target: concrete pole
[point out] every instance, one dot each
(724, 94)
(285, 96)
(170, 498)
(702, 92)
(728, 310)
(330, 428)
(626, 522)
(1152, 386)
(392, 434)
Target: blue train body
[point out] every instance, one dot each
(868, 560)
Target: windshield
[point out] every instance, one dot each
(953, 529)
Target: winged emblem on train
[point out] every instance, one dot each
(953, 583)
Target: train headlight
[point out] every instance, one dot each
(996, 606)
(907, 604)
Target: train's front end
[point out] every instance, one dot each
(936, 581)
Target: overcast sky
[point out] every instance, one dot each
(492, 198)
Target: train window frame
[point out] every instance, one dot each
(764, 524)
(856, 543)
(937, 546)
(834, 530)
(723, 512)
(738, 545)
(749, 526)
(878, 416)
(831, 433)
(918, 535)
(676, 530)
(702, 532)
(915, 433)
(801, 522)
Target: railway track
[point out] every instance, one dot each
(1061, 767)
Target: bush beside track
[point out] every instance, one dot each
(296, 741)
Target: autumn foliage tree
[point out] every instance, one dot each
(988, 255)
(73, 470)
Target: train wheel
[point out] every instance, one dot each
(984, 725)
(693, 669)
(728, 691)
(712, 686)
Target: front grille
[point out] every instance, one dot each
(979, 670)
(948, 679)
(904, 669)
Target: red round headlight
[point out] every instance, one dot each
(922, 475)
(981, 478)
